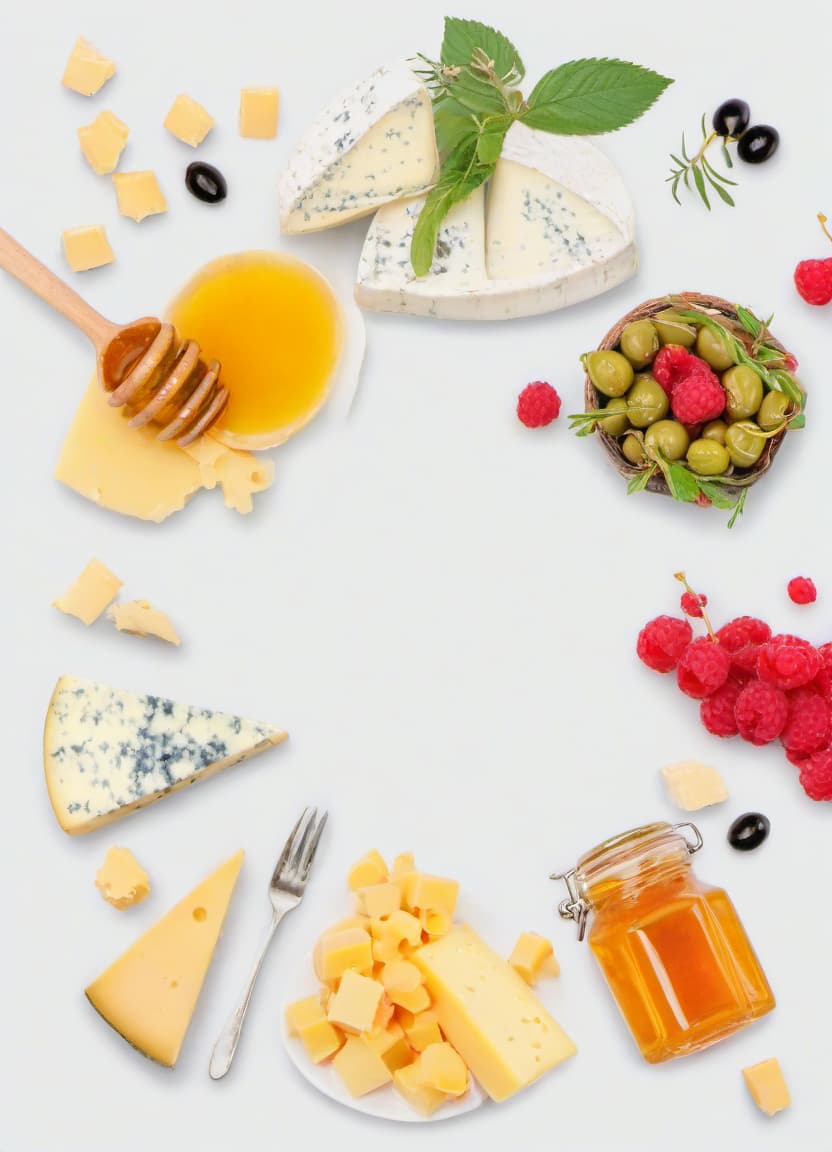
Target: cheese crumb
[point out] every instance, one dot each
(87, 598)
(140, 619)
(768, 1087)
(103, 141)
(692, 785)
(87, 71)
(258, 113)
(188, 120)
(87, 247)
(121, 880)
(139, 195)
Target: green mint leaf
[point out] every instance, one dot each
(717, 495)
(463, 37)
(739, 507)
(459, 177)
(641, 480)
(453, 124)
(588, 97)
(682, 483)
(492, 135)
(478, 96)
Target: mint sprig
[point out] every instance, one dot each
(589, 97)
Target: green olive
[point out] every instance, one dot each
(715, 430)
(613, 418)
(610, 372)
(745, 392)
(647, 401)
(672, 330)
(713, 350)
(639, 342)
(632, 449)
(708, 458)
(773, 410)
(669, 437)
(744, 443)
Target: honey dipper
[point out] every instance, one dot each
(142, 366)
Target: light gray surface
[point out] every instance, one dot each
(440, 606)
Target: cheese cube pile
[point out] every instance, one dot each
(392, 1001)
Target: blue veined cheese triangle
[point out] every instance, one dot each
(107, 752)
(374, 143)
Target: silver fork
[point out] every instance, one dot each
(286, 890)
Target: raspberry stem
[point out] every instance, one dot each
(823, 221)
(680, 576)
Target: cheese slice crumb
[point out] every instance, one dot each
(121, 880)
(87, 598)
(692, 785)
(87, 70)
(87, 247)
(139, 195)
(140, 619)
(258, 113)
(103, 141)
(188, 121)
(767, 1085)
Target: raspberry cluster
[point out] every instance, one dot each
(752, 684)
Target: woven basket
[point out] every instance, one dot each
(594, 400)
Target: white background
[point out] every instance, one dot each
(440, 605)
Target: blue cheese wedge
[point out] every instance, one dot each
(375, 143)
(107, 752)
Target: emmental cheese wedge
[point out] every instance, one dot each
(149, 994)
(489, 1014)
(107, 752)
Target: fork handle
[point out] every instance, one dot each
(229, 1038)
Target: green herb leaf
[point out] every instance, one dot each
(459, 177)
(681, 482)
(464, 37)
(492, 135)
(453, 124)
(588, 97)
(699, 181)
(717, 495)
(739, 507)
(640, 481)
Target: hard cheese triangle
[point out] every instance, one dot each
(149, 994)
(107, 752)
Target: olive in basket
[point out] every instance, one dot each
(691, 397)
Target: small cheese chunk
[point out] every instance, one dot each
(430, 893)
(402, 865)
(441, 1067)
(767, 1086)
(121, 880)
(302, 1013)
(356, 1003)
(139, 195)
(400, 976)
(240, 474)
(530, 956)
(408, 1081)
(86, 69)
(393, 936)
(188, 120)
(413, 999)
(378, 900)
(422, 1029)
(361, 1069)
(370, 869)
(691, 785)
(88, 597)
(87, 247)
(103, 141)
(139, 619)
(435, 923)
(336, 952)
(391, 1045)
(258, 113)
(321, 1040)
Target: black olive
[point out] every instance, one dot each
(205, 182)
(748, 831)
(758, 144)
(731, 118)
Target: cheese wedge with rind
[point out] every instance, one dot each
(148, 995)
(374, 143)
(107, 752)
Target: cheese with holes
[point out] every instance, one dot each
(374, 143)
(188, 121)
(103, 141)
(107, 752)
(258, 113)
(140, 619)
(121, 880)
(87, 247)
(553, 227)
(130, 471)
(489, 1014)
(149, 994)
(692, 785)
(90, 594)
(139, 195)
(87, 70)
(767, 1085)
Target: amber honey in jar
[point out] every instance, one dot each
(672, 949)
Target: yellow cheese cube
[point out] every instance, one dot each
(355, 1004)
(432, 893)
(188, 120)
(384, 1015)
(121, 880)
(321, 1040)
(378, 900)
(258, 113)
(303, 1013)
(391, 1045)
(530, 956)
(103, 141)
(87, 598)
(141, 619)
(414, 1000)
(86, 69)
(400, 976)
(361, 1069)
(402, 865)
(442, 1068)
(422, 1029)
(489, 1014)
(767, 1086)
(370, 869)
(692, 785)
(435, 923)
(336, 952)
(401, 926)
(87, 247)
(408, 1081)
(139, 195)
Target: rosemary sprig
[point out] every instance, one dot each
(701, 170)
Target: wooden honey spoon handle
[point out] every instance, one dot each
(29, 271)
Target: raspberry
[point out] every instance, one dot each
(743, 637)
(788, 662)
(692, 604)
(717, 712)
(823, 681)
(813, 280)
(703, 667)
(538, 405)
(662, 642)
(799, 759)
(791, 363)
(802, 590)
(816, 775)
(807, 726)
(761, 712)
(697, 398)
(671, 365)
(702, 500)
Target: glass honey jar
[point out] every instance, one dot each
(672, 949)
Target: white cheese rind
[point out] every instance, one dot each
(107, 752)
(374, 143)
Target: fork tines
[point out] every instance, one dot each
(299, 850)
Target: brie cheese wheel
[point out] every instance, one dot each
(373, 144)
(555, 226)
